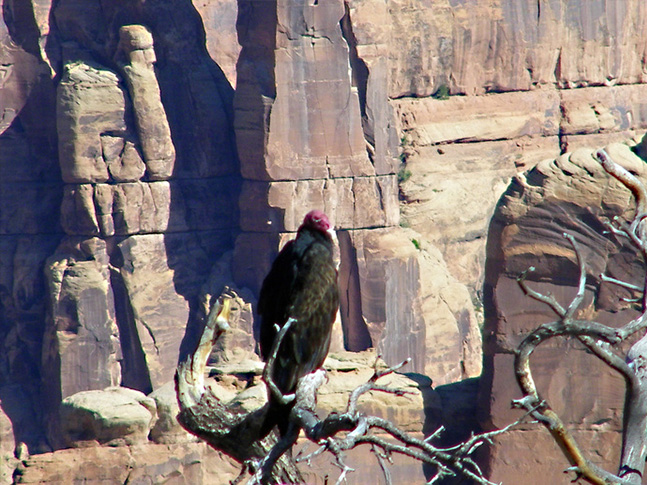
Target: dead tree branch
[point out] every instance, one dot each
(265, 461)
(599, 339)
(267, 374)
(204, 415)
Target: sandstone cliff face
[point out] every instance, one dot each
(527, 58)
(152, 152)
(313, 130)
(524, 63)
(144, 182)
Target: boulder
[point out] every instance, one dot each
(166, 429)
(115, 416)
(418, 411)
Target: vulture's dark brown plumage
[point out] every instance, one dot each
(302, 284)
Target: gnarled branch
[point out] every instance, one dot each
(264, 460)
(599, 339)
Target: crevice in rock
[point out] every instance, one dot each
(134, 371)
(359, 79)
(563, 145)
(356, 334)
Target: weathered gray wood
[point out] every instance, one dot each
(202, 413)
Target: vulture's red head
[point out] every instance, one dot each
(316, 220)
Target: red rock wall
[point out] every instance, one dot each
(313, 130)
(131, 186)
(130, 168)
(550, 78)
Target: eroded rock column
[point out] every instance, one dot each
(137, 56)
(118, 310)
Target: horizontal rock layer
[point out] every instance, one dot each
(461, 152)
(351, 203)
(149, 207)
(194, 462)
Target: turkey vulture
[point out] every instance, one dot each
(302, 285)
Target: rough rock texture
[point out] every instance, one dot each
(155, 303)
(526, 58)
(432, 316)
(313, 131)
(570, 194)
(480, 46)
(219, 19)
(182, 464)
(418, 411)
(30, 198)
(451, 321)
(182, 461)
(133, 184)
(113, 416)
(136, 56)
(461, 152)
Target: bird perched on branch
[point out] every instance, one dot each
(302, 286)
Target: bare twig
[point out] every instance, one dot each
(382, 458)
(623, 284)
(372, 385)
(581, 287)
(547, 299)
(269, 366)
